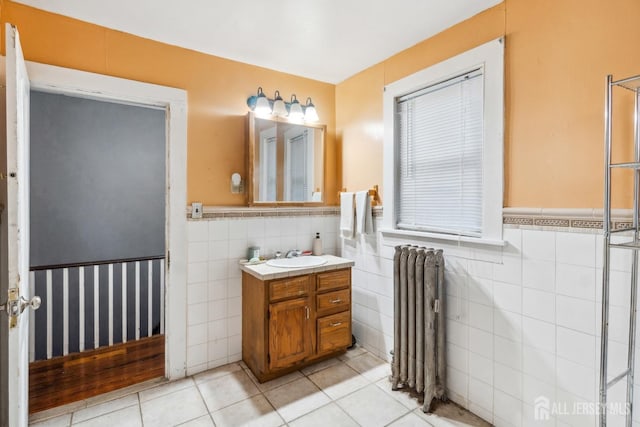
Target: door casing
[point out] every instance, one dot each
(53, 79)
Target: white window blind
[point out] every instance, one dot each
(440, 155)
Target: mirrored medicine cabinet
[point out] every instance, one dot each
(286, 162)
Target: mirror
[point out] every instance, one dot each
(286, 162)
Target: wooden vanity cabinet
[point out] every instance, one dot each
(292, 322)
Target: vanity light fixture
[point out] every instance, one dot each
(277, 107)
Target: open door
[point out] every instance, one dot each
(14, 238)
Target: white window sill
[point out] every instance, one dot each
(424, 235)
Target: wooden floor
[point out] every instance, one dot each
(78, 376)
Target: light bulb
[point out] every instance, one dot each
(262, 106)
(310, 114)
(279, 108)
(295, 110)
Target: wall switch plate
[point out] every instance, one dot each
(196, 210)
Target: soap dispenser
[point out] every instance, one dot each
(317, 245)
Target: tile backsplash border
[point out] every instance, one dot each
(558, 218)
(583, 219)
(211, 212)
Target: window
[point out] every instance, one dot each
(443, 148)
(439, 140)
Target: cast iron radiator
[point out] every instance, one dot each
(419, 361)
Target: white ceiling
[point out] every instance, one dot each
(327, 40)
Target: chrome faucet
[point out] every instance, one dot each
(293, 253)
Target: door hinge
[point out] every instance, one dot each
(168, 259)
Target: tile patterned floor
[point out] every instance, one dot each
(351, 390)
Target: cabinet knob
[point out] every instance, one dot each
(333, 325)
(335, 301)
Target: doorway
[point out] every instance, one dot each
(97, 249)
(58, 80)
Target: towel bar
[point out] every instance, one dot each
(373, 193)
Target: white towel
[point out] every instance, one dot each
(347, 216)
(364, 217)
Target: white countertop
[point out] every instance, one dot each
(266, 272)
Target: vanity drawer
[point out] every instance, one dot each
(334, 332)
(334, 280)
(333, 301)
(288, 288)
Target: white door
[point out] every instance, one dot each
(14, 331)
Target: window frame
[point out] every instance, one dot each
(490, 57)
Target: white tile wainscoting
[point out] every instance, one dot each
(523, 320)
(214, 280)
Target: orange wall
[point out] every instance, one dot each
(217, 90)
(556, 58)
(359, 99)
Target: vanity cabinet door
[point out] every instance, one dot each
(289, 338)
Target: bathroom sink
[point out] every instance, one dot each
(297, 262)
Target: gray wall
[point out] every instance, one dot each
(97, 180)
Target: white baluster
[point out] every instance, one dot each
(65, 311)
(137, 300)
(96, 306)
(150, 298)
(81, 308)
(110, 304)
(49, 314)
(161, 262)
(124, 302)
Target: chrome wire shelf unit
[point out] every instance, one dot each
(633, 244)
